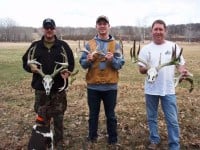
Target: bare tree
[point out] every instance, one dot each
(10, 31)
(8, 25)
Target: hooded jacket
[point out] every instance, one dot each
(115, 65)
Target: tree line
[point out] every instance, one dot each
(11, 32)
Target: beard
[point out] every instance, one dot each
(49, 37)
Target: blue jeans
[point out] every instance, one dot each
(109, 101)
(169, 107)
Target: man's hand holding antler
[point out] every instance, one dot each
(184, 72)
(34, 68)
(109, 56)
(65, 73)
(90, 57)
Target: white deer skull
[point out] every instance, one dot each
(152, 74)
(47, 83)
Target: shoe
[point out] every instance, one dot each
(112, 143)
(152, 146)
(114, 146)
(92, 140)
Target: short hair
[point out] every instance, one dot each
(159, 21)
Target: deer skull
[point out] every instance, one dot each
(152, 74)
(47, 83)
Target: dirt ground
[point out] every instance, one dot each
(17, 114)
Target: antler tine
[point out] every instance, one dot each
(179, 56)
(31, 54)
(64, 64)
(84, 50)
(138, 49)
(132, 52)
(64, 55)
(65, 59)
(174, 53)
(174, 58)
(31, 61)
(63, 87)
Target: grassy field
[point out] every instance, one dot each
(17, 99)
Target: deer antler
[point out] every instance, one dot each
(64, 65)
(48, 79)
(96, 51)
(180, 78)
(31, 54)
(32, 61)
(152, 72)
(174, 59)
(134, 56)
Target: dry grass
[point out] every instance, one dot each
(17, 98)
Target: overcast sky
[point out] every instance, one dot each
(83, 13)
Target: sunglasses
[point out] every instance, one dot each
(47, 28)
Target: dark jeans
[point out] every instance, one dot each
(109, 101)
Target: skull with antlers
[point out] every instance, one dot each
(152, 72)
(48, 79)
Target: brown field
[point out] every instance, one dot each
(17, 99)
